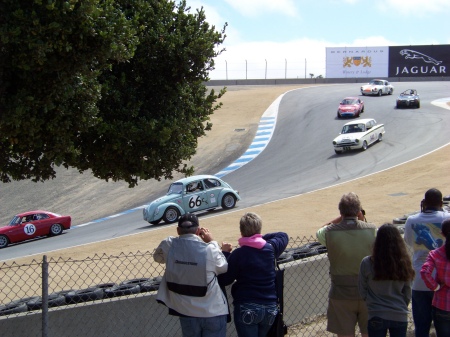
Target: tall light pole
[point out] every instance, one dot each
(226, 69)
(285, 68)
(265, 76)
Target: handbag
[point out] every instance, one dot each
(278, 328)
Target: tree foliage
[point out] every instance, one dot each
(112, 86)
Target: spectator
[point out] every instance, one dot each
(252, 266)
(422, 234)
(347, 242)
(189, 287)
(439, 282)
(385, 284)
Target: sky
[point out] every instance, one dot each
(288, 38)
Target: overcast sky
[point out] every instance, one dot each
(287, 38)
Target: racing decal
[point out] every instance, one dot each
(212, 198)
(196, 201)
(29, 229)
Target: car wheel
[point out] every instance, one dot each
(362, 110)
(397, 106)
(155, 222)
(364, 146)
(380, 137)
(171, 215)
(55, 229)
(379, 93)
(122, 290)
(3, 241)
(337, 152)
(418, 105)
(390, 91)
(338, 116)
(228, 201)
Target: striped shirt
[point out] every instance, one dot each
(437, 260)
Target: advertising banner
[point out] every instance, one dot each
(419, 61)
(342, 62)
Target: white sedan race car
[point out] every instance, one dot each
(358, 135)
(377, 88)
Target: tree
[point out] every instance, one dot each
(111, 86)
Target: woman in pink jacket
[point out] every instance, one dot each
(439, 259)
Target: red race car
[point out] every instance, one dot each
(29, 225)
(350, 107)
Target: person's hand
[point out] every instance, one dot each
(361, 215)
(227, 247)
(205, 235)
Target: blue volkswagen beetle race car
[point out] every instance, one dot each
(188, 195)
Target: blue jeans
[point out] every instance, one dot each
(254, 320)
(441, 321)
(379, 327)
(204, 326)
(421, 308)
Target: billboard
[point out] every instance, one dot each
(419, 61)
(342, 62)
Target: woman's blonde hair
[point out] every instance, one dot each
(250, 224)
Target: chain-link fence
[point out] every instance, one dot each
(115, 295)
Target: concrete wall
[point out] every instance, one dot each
(306, 285)
(290, 81)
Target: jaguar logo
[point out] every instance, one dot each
(412, 54)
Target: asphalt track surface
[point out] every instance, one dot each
(299, 157)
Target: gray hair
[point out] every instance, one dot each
(250, 224)
(349, 204)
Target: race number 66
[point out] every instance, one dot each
(195, 202)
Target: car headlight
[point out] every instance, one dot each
(334, 142)
(356, 141)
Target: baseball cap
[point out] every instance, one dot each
(188, 220)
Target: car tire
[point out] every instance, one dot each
(54, 300)
(171, 214)
(13, 308)
(338, 116)
(4, 241)
(151, 285)
(155, 222)
(122, 290)
(285, 257)
(137, 281)
(84, 295)
(228, 201)
(380, 137)
(397, 106)
(55, 229)
(390, 91)
(337, 152)
(364, 146)
(418, 105)
(362, 110)
(380, 93)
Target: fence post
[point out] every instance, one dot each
(44, 297)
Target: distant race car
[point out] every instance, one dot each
(358, 135)
(408, 98)
(378, 88)
(30, 225)
(192, 194)
(350, 107)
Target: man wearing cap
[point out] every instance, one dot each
(422, 234)
(189, 287)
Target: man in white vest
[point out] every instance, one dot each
(189, 287)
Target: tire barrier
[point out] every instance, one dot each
(285, 257)
(122, 290)
(151, 285)
(13, 308)
(54, 300)
(308, 250)
(84, 295)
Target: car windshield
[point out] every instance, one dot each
(14, 221)
(349, 101)
(175, 188)
(376, 82)
(353, 128)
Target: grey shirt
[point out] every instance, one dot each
(386, 299)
